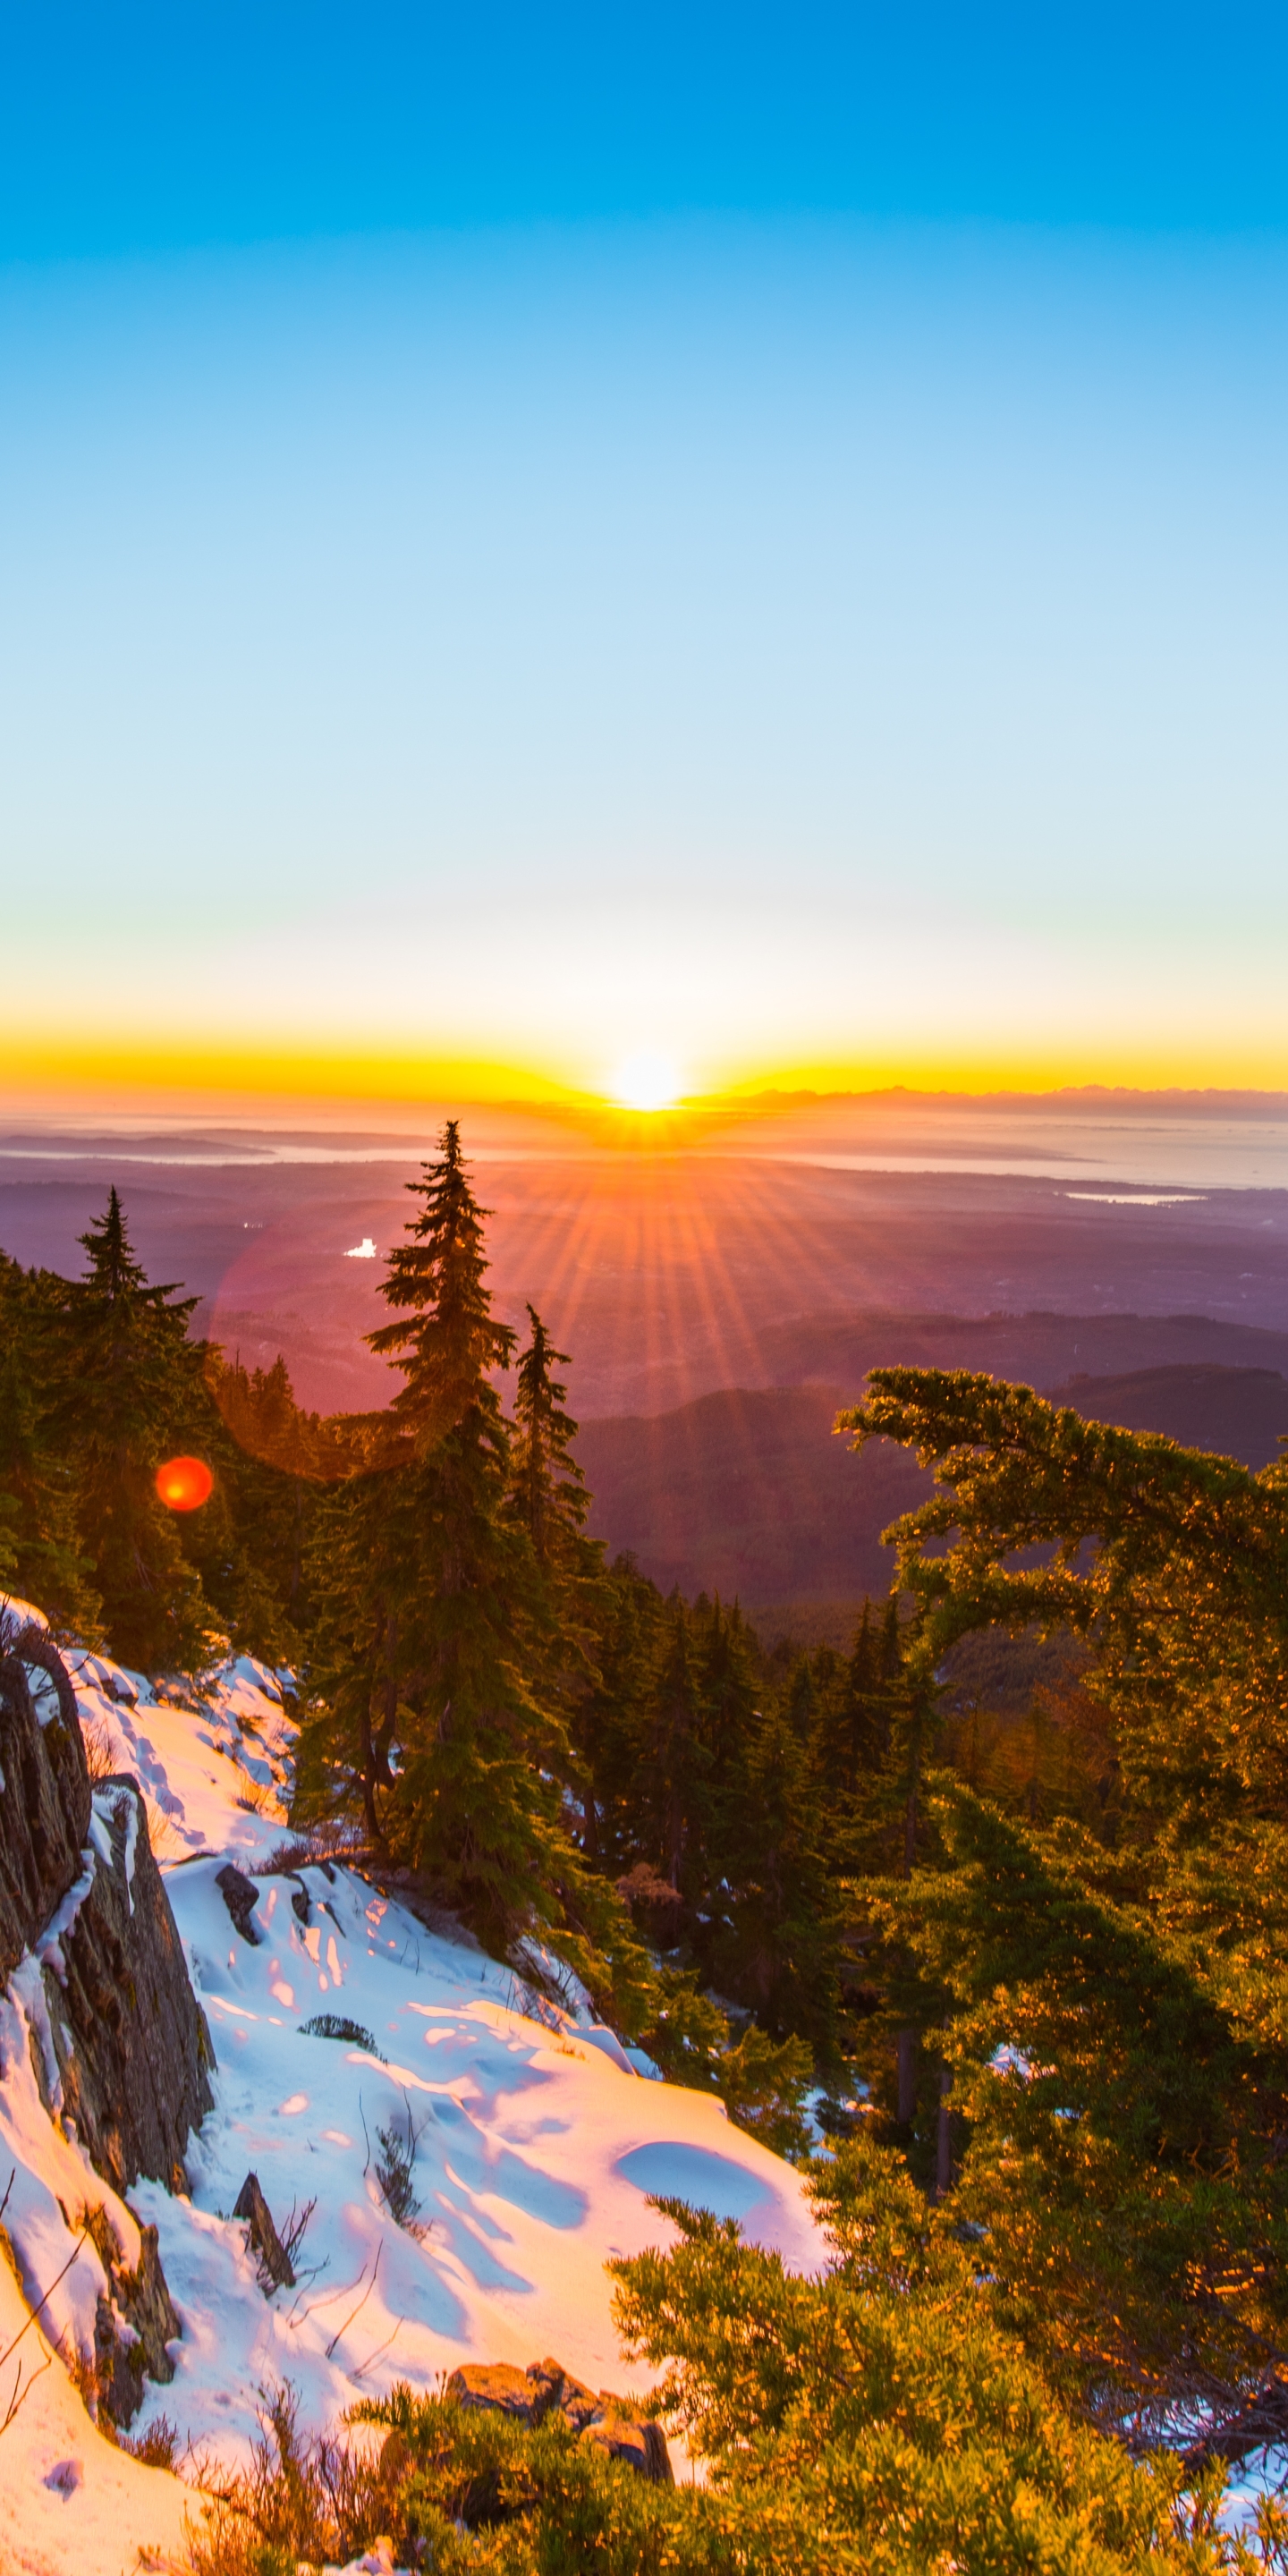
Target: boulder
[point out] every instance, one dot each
(496, 2386)
(241, 1896)
(555, 2392)
(635, 2439)
(546, 2389)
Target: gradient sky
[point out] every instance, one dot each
(758, 534)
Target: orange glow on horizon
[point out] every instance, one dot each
(244, 1083)
(184, 1484)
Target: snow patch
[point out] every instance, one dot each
(534, 2142)
(16, 1615)
(49, 1948)
(44, 1693)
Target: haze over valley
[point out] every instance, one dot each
(723, 1291)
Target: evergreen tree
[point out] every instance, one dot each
(730, 1695)
(1170, 1563)
(430, 1627)
(611, 1718)
(275, 1461)
(676, 1776)
(131, 1393)
(41, 1559)
(350, 1720)
(547, 1486)
(548, 1500)
(1114, 2017)
(1122, 2123)
(775, 1947)
(802, 1706)
(443, 1335)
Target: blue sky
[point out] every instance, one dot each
(753, 534)
(138, 129)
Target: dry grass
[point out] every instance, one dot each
(100, 1760)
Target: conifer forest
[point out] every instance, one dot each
(1013, 1999)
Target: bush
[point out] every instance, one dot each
(339, 2026)
(877, 2421)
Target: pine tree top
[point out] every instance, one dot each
(114, 1277)
(550, 1487)
(445, 1338)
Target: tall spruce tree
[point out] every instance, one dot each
(443, 1335)
(430, 1611)
(549, 1501)
(547, 1486)
(131, 1392)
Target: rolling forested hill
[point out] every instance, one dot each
(749, 1493)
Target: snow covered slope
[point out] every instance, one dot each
(534, 2146)
(534, 2150)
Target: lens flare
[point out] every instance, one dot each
(184, 1483)
(645, 1081)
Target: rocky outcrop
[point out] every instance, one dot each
(135, 2324)
(87, 1936)
(90, 1951)
(44, 1789)
(545, 2389)
(121, 2044)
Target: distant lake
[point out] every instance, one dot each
(1146, 1144)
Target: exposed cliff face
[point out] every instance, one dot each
(44, 1789)
(89, 1950)
(124, 2051)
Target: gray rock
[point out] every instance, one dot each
(131, 2046)
(44, 1789)
(276, 2272)
(241, 1896)
(120, 2045)
(135, 2323)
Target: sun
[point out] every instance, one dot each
(646, 1080)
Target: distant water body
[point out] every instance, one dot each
(1166, 1145)
(1163, 1148)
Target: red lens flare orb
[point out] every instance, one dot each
(185, 1483)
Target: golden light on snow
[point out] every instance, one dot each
(184, 1483)
(645, 1081)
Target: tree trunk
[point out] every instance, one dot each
(907, 2076)
(369, 1782)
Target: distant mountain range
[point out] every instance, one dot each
(748, 1492)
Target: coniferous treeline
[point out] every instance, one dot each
(1051, 1960)
(587, 1771)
